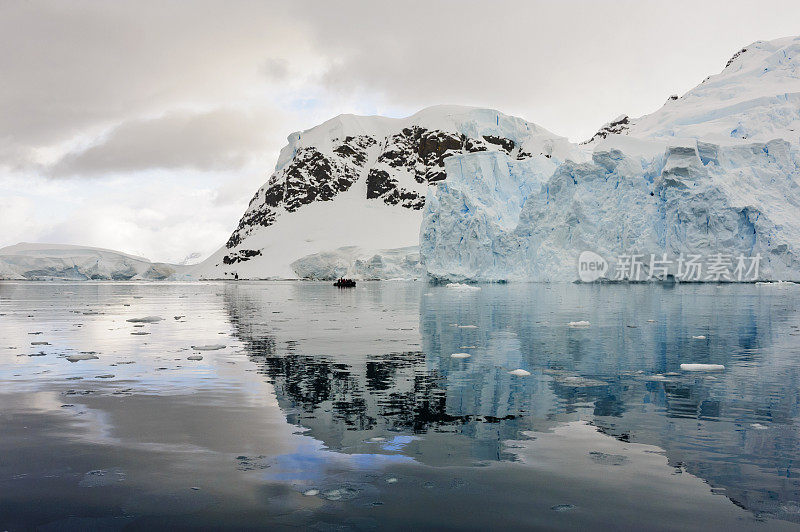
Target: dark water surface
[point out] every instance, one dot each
(330, 409)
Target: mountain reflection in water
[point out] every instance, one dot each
(736, 429)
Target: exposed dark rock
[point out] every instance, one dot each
(617, 127)
(242, 255)
(737, 54)
(506, 144)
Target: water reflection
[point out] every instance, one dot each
(737, 429)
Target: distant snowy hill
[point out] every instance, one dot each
(65, 262)
(714, 173)
(362, 181)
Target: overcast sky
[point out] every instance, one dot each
(147, 126)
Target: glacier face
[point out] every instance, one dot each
(713, 173)
(357, 263)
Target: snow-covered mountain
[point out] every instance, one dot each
(65, 262)
(755, 98)
(714, 174)
(361, 181)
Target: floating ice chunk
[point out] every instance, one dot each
(311, 493)
(699, 337)
(208, 347)
(391, 480)
(82, 356)
(462, 286)
(651, 321)
(519, 372)
(579, 324)
(576, 381)
(758, 426)
(563, 507)
(467, 326)
(195, 357)
(460, 355)
(702, 367)
(146, 319)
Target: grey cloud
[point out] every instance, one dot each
(221, 139)
(570, 66)
(72, 68)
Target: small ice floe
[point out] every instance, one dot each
(82, 356)
(311, 493)
(340, 494)
(758, 426)
(102, 477)
(208, 347)
(651, 321)
(391, 480)
(563, 507)
(576, 381)
(468, 347)
(462, 286)
(699, 337)
(377, 439)
(702, 367)
(195, 357)
(519, 372)
(146, 319)
(467, 326)
(460, 355)
(579, 324)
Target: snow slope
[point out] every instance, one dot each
(755, 98)
(362, 181)
(61, 261)
(716, 172)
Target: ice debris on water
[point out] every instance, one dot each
(82, 356)
(702, 367)
(311, 493)
(579, 324)
(146, 319)
(391, 480)
(699, 337)
(519, 372)
(462, 286)
(758, 426)
(208, 347)
(563, 507)
(460, 355)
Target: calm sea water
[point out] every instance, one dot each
(325, 408)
